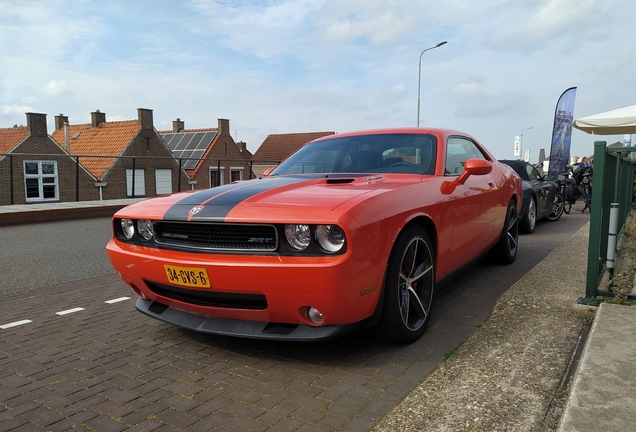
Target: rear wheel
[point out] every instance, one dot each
(580, 204)
(530, 218)
(508, 244)
(409, 287)
(567, 206)
(558, 206)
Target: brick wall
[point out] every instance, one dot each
(146, 143)
(66, 168)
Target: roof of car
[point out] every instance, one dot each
(518, 166)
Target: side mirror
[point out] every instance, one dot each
(471, 167)
(268, 171)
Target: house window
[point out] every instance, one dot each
(215, 178)
(236, 174)
(40, 181)
(140, 182)
(163, 181)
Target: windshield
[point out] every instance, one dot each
(382, 153)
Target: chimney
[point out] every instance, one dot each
(144, 116)
(178, 125)
(241, 146)
(60, 120)
(97, 117)
(37, 124)
(224, 127)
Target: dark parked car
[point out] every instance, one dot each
(541, 197)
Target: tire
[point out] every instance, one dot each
(558, 207)
(530, 218)
(567, 206)
(506, 248)
(409, 287)
(579, 205)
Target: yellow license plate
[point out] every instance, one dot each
(187, 276)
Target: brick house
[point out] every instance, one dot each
(216, 158)
(277, 147)
(140, 163)
(48, 174)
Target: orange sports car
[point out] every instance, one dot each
(352, 230)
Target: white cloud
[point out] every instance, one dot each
(58, 88)
(534, 28)
(14, 110)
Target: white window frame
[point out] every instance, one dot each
(213, 171)
(240, 171)
(42, 179)
(163, 186)
(140, 182)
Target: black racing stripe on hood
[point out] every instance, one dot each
(217, 202)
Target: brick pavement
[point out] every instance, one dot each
(109, 368)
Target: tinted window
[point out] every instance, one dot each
(381, 153)
(533, 173)
(458, 151)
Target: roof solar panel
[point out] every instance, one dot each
(183, 144)
(190, 164)
(196, 139)
(198, 153)
(174, 141)
(207, 140)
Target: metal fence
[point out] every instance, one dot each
(612, 192)
(220, 164)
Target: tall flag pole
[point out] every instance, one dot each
(562, 133)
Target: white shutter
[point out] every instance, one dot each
(163, 181)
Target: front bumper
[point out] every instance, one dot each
(243, 328)
(344, 288)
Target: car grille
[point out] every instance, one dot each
(216, 236)
(209, 298)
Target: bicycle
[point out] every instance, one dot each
(567, 188)
(584, 192)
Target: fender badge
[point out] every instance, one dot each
(195, 210)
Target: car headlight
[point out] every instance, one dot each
(144, 227)
(330, 237)
(298, 236)
(127, 228)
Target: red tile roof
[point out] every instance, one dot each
(108, 138)
(277, 147)
(11, 137)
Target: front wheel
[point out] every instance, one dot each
(508, 244)
(558, 206)
(409, 287)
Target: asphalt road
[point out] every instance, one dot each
(47, 254)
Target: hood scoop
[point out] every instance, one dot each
(340, 180)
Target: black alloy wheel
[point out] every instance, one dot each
(558, 206)
(409, 287)
(509, 241)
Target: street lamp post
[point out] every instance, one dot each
(419, 76)
(521, 141)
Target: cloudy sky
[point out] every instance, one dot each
(282, 66)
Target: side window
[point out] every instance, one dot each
(533, 173)
(139, 181)
(41, 181)
(458, 151)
